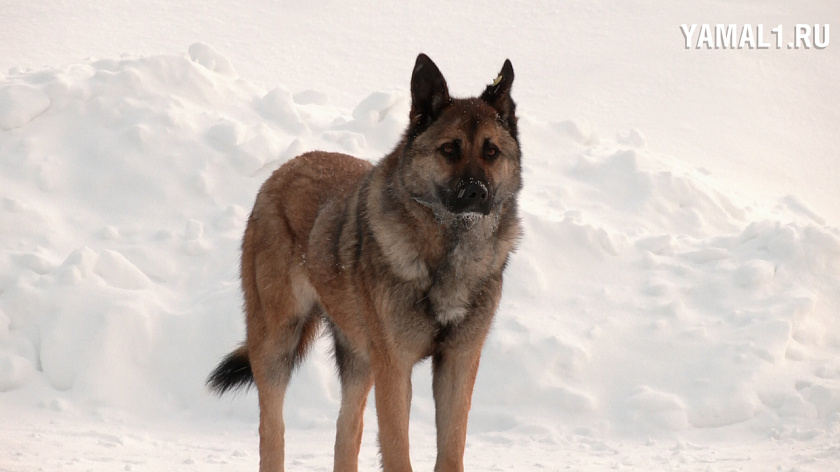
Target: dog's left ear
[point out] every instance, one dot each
(497, 95)
(429, 93)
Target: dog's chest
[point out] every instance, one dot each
(443, 271)
(456, 279)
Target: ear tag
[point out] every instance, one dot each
(498, 80)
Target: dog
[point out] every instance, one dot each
(401, 261)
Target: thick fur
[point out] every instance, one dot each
(401, 261)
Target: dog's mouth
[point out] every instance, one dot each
(470, 217)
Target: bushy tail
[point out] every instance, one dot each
(234, 372)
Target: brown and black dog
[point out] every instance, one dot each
(401, 260)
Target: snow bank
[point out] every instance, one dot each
(646, 299)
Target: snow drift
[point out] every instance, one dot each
(647, 298)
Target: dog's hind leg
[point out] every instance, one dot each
(356, 381)
(272, 428)
(283, 318)
(278, 356)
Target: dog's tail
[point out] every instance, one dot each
(234, 372)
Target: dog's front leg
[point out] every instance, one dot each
(392, 391)
(454, 370)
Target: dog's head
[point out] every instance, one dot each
(461, 156)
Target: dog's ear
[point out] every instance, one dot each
(497, 95)
(429, 93)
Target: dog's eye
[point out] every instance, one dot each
(450, 150)
(491, 152)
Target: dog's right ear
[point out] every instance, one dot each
(429, 93)
(497, 95)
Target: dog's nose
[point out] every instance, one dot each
(472, 197)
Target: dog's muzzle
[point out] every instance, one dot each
(471, 196)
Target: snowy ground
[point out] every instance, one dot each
(673, 306)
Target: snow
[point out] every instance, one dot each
(673, 305)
